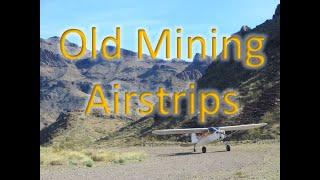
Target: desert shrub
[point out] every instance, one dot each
(97, 157)
(88, 163)
(121, 161)
(56, 162)
(240, 174)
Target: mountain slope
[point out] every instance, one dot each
(66, 85)
(259, 89)
(259, 95)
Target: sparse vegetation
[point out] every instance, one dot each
(86, 157)
(240, 174)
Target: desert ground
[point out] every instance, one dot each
(244, 161)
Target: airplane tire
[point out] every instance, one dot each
(228, 148)
(204, 149)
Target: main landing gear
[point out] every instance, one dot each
(204, 149)
(228, 147)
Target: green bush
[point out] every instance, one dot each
(88, 163)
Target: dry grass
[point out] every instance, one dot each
(86, 157)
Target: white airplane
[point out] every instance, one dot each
(203, 136)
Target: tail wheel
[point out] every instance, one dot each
(228, 148)
(204, 149)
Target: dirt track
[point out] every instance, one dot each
(247, 161)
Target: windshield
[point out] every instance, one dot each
(212, 129)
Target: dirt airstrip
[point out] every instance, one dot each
(244, 161)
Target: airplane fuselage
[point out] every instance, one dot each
(216, 136)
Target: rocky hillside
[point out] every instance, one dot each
(196, 69)
(259, 89)
(66, 85)
(259, 95)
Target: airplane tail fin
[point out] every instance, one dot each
(194, 138)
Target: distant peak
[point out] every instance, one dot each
(56, 40)
(277, 12)
(197, 58)
(53, 40)
(245, 28)
(54, 37)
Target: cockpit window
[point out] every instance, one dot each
(212, 130)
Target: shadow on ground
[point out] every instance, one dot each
(187, 153)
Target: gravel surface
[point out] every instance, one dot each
(244, 161)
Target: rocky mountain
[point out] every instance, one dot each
(66, 85)
(259, 89)
(259, 95)
(196, 69)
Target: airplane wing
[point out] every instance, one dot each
(201, 130)
(242, 127)
(179, 131)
